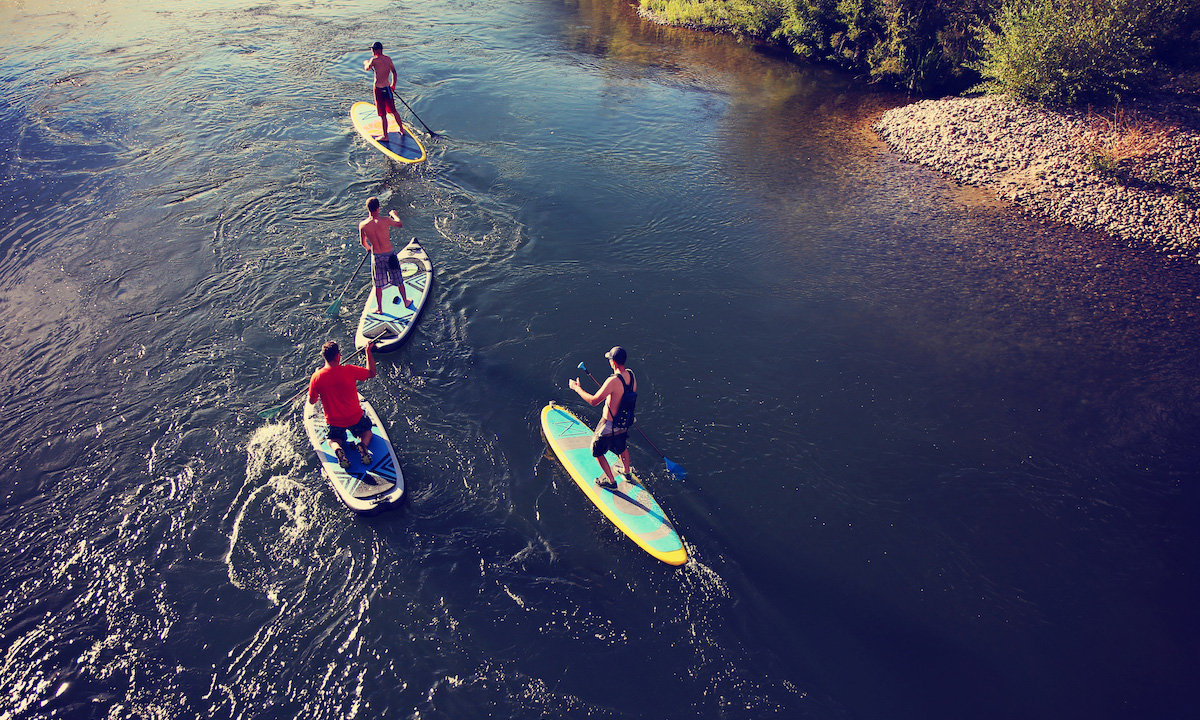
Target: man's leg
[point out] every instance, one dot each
(396, 276)
(364, 442)
(606, 468)
(626, 469)
(339, 450)
(396, 112)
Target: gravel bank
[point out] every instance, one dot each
(1039, 159)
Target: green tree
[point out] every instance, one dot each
(1062, 52)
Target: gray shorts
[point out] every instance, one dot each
(357, 429)
(382, 271)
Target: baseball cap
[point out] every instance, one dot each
(617, 355)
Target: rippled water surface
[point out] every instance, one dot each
(941, 457)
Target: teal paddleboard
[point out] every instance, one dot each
(629, 506)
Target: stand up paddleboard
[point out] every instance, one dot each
(392, 326)
(404, 148)
(629, 506)
(364, 489)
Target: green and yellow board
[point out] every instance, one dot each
(629, 506)
(405, 148)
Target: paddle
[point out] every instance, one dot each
(273, 411)
(336, 307)
(676, 470)
(414, 114)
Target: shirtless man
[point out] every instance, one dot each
(336, 386)
(385, 87)
(608, 437)
(385, 267)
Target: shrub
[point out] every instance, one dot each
(750, 17)
(1061, 52)
(1051, 51)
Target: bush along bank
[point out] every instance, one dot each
(1133, 174)
(1051, 51)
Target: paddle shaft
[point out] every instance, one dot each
(414, 114)
(337, 304)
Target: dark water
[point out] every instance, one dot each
(941, 458)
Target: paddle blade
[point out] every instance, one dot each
(335, 308)
(676, 470)
(271, 412)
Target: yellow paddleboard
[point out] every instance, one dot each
(404, 148)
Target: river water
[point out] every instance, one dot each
(941, 458)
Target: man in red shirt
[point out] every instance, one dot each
(336, 385)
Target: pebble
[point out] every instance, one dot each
(1035, 158)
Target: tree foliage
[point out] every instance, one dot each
(1054, 51)
(1060, 52)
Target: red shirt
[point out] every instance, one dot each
(337, 387)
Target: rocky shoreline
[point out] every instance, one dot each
(1134, 174)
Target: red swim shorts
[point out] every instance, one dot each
(385, 102)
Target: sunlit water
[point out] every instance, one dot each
(941, 457)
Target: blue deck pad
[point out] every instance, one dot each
(352, 477)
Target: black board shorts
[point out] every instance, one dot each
(615, 442)
(357, 429)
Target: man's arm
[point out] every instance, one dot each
(370, 359)
(600, 395)
(394, 220)
(362, 237)
(312, 391)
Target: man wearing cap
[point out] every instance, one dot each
(385, 87)
(609, 437)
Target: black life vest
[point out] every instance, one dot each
(623, 418)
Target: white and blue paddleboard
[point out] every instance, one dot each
(392, 327)
(365, 489)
